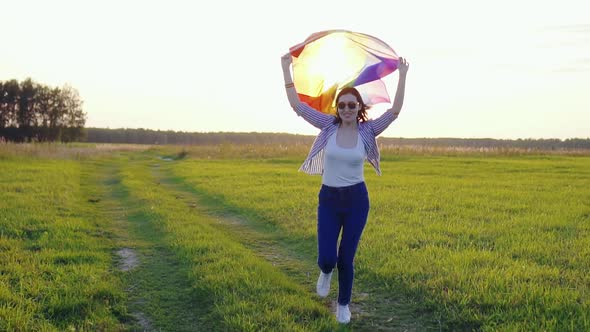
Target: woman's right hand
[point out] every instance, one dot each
(286, 60)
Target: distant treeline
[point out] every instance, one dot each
(479, 143)
(146, 136)
(30, 111)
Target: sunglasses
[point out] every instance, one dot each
(351, 105)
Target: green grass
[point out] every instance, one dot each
(55, 256)
(486, 242)
(455, 240)
(248, 293)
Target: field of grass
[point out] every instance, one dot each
(225, 240)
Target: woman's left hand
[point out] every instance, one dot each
(403, 66)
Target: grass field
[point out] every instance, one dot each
(102, 237)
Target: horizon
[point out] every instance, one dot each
(476, 70)
(313, 135)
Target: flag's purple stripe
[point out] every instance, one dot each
(376, 71)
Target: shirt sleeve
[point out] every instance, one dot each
(314, 117)
(381, 123)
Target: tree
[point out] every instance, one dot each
(9, 93)
(74, 117)
(32, 111)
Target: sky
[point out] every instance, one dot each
(503, 69)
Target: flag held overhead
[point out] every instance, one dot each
(328, 61)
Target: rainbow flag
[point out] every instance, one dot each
(328, 61)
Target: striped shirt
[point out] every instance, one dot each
(368, 130)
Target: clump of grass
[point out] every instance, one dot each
(182, 154)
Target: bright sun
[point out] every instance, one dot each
(330, 60)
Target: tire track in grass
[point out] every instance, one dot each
(125, 257)
(373, 309)
(160, 295)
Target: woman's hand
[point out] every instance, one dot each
(403, 66)
(398, 101)
(286, 60)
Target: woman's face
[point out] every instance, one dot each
(348, 108)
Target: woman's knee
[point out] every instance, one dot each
(327, 264)
(345, 264)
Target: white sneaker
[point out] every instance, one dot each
(343, 314)
(323, 286)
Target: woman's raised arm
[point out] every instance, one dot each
(289, 86)
(315, 118)
(381, 123)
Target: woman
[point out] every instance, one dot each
(338, 154)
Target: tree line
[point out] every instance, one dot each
(482, 143)
(30, 111)
(147, 136)
(158, 137)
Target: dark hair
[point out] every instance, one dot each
(361, 116)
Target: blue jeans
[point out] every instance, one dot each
(341, 209)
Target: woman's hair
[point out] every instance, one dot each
(361, 116)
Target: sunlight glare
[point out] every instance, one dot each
(330, 59)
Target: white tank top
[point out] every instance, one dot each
(343, 166)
